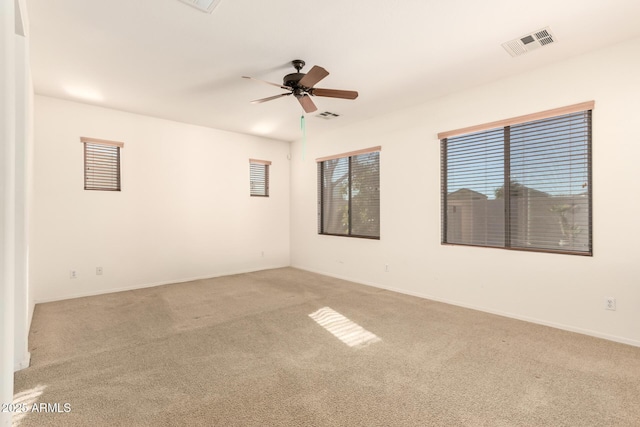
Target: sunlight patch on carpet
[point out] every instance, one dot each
(25, 400)
(344, 329)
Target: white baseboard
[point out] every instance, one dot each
(22, 364)
(151, 285)
(564, 327)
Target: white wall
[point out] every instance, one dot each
(184, 211)
(559, 290)
(16, 92)
(7, 203)
(23, 173)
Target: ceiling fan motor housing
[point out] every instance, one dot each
(292, 79)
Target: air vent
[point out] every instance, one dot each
(206, 6)
(530, 42)
(327, 115)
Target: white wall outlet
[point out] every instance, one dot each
(386, 268)
(73, 274)
(610, 303)
(99, 271)
(262, 254)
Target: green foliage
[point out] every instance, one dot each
(365, 188)
(516, 190)
(564, 212)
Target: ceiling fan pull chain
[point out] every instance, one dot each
(303, 128)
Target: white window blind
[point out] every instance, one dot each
(101, 164)
(259, 177)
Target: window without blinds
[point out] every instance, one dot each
(349, 194)
(101, 165)
(259, 177)
(525, 186)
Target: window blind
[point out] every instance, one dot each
(525, 186)
(101, 165)
(259, 177)
(349, 194)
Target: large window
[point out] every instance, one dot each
(525, 185)
(259, 177)
(101, 164)
(349, 194)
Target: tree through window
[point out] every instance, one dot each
(349, 194)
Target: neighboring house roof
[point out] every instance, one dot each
(466, 194)
(531, 192)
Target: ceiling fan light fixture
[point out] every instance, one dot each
(205, 6)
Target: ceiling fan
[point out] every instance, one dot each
(301, 86)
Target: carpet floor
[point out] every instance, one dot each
(286, 347)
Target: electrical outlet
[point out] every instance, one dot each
(386, 268)
(610, 303)
(73, 274)
(99, 271)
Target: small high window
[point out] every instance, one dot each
(101, 164)
(259, 177)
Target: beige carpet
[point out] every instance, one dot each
(243, 351)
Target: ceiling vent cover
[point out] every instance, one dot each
(327, 115)
(206, 6)
(530, 42)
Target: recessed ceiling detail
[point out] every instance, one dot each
(529, 42)
(206, 6)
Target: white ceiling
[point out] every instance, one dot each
(165, 59)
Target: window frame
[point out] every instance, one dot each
(265, 164)
(320, 192)
(118, 163)
(505, 125)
